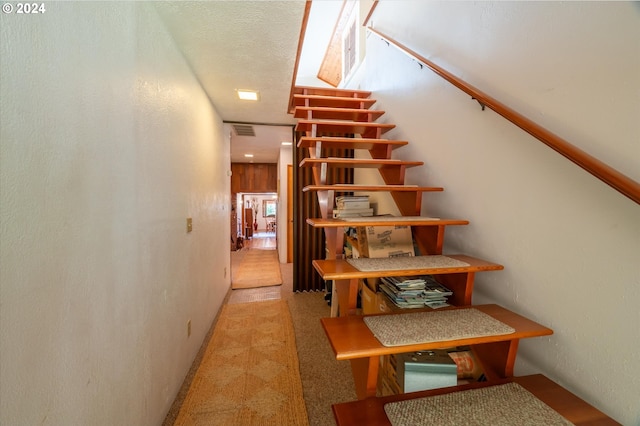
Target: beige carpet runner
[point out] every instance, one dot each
(437, 326)
(502, 405)
(249, 374)
(258, 268)
(406, 262)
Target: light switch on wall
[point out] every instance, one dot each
(189, 224)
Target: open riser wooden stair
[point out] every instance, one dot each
(333, 118)
(330, 120)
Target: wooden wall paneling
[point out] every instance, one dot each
(249, 177)
(272, 178)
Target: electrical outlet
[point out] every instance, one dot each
(189, 328)
(189, 224)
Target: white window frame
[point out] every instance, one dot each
(347, 71)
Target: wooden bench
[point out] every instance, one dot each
(371, 411)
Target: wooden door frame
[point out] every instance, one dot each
(289, 213)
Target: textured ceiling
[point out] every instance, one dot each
(240, 45)
(248, 45)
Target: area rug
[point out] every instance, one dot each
(249, 374)
(258, 268)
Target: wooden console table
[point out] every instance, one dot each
(371, 412)
(351, 339)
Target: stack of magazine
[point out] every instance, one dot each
(415, 292)
(352, 206)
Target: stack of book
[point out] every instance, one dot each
(352, 206)
(415, 292)
(435, 293)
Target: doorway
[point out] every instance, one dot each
(259, 214)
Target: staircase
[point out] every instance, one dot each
(329, 119)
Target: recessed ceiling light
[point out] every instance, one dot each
(247, 95)
(286, 143)
(249, 155)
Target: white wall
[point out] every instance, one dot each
(570, 244)
(108, 144)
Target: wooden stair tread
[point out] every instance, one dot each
(371, 412)
(332, 101)
(340, 269)
(358, 162)
(330, 91)
(349, 143)
(344, 127)
(332, 113)
(351, 338)
(343, 187)
(373, 221)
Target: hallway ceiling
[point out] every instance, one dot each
(249, 45)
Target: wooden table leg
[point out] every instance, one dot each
(365, 376)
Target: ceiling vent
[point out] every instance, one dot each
(244, 130)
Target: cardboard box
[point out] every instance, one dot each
(373, 302)
(426, 370)
(385, 241)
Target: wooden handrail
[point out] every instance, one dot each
(373, 8)
(620, 182)
(303, 32)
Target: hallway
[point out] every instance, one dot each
(261, 240)
(115, 186)
(325, 381)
